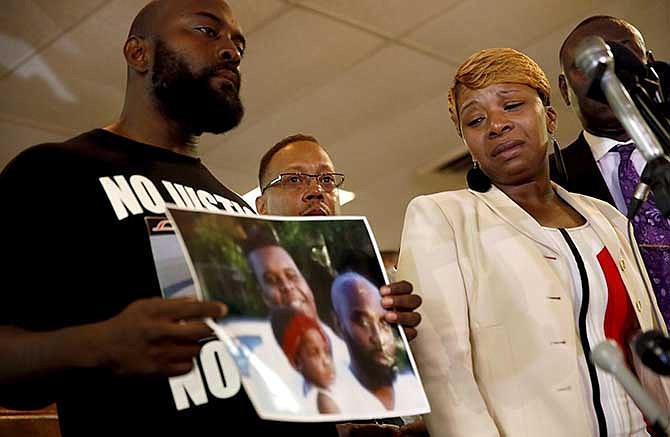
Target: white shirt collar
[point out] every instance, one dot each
(601, 145)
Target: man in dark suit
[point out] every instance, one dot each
(591, 164)
(585, 172)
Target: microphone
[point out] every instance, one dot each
(609, 357)
(653, 348)
(628, 68)
(595, 58)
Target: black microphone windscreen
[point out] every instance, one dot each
(653, 348)
(627, 65)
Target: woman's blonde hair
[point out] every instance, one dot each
(499, 65)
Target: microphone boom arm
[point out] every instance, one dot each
(629, 116)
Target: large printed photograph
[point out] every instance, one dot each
(305, 324)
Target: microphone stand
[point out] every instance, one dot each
(659, 175)
(657, 171)
(595, 59)
(655, 116)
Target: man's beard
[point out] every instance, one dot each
(189, 99)
(376, 374)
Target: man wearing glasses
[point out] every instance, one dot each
(298, 178)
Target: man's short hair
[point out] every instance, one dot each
(265, 160)
(589, 20)
(498, 65)
(346, 283)
(143, 25)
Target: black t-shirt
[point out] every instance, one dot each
(77, 251)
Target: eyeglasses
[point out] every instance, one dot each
(327, 181)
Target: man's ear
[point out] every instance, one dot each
(261, 207)
(138, 53)
(563, 86)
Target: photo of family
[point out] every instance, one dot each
(305, 323)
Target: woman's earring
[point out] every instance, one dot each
(477, 180)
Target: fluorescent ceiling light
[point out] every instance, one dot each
(346, 196)
(250, 197)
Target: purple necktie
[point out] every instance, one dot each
(652, 232)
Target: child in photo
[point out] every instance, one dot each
(307, 348)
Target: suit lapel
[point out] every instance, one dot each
(519, 219)
(584, 176)
(516, 216)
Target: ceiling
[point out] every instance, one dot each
(368, 78)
